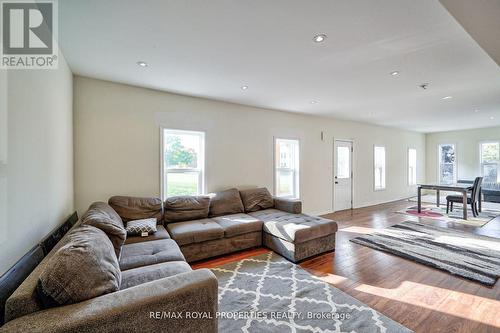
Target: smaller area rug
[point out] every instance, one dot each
(439, 213)
(460, 253)
(267, 293)
(431, 198)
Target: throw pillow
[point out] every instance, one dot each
(142, 227)
(225, 203)
(84, 268)
(102, 216)
(257, 199)
(185, 208)
(137, 208)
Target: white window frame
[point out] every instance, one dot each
(201, 160)
(411, 182)
(296, 171)
(455, 163)
(481, 163)
(384, 185)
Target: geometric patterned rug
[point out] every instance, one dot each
(267, 293)
(431, 211)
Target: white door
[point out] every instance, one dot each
(342, 172)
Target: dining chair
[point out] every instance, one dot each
(473, 200)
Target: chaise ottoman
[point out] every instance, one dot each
(296, 236)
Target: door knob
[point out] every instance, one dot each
(336, 182)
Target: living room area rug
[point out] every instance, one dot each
(439, 213)
(267, 293)
(467, 255)
(490, 210)
(431, 198)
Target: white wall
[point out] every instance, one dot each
(117, 140)
(36, 157)
(467, 150)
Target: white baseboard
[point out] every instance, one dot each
(366, 204)
(318, 213)
(375, 203)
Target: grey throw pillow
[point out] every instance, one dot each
(102, 216)
(84, 268)
(257, 199)
(185, 208)
(225, 203)
(143, 227)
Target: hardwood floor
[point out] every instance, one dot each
(423, 299)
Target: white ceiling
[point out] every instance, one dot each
(212, 48)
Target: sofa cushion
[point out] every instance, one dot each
(293, 206)
(140, 227)
(161, 233)
(186, 208)
(137, 208)
(149, 253)
(102, 216)
(295, 228)
(196, 231)
(84, 268)
(226, 202)
(238, 224)
(137, 276)
(256, 199)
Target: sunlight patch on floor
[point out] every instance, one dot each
(332, 278)
(358, 230)
(468, 242)
(437, 299)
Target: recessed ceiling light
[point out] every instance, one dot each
(142, 64)
(314, 102)
(491, 118)
(447, 97)
(244, 87)
(319, 38)
(394, 73)
(476, 111)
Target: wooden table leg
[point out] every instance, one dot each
(438, 199)
(419, 199)
(464, 193)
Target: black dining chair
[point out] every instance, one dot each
(473, 200)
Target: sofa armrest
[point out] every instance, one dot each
(165, 305)
(293, 206)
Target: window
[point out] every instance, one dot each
(343, 162)
(286, 166)
(447, 163)
(490, 161)
(379, 167)
(183, 161)
(412, 166)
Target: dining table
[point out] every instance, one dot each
(463, 188)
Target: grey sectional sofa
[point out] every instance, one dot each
(155, 282)
(234, 220)
(155, 277)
